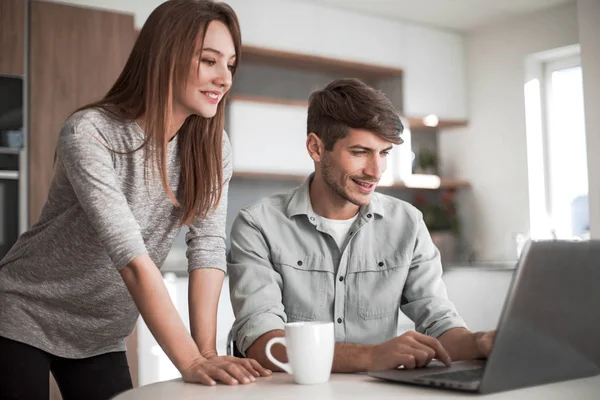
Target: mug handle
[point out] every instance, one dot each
(284, 366)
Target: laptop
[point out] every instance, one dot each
(549, 328)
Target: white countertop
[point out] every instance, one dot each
(350, 386)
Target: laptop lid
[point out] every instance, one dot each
(549, 329)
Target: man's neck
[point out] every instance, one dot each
(327, 203)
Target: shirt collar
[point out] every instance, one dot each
(300, 203)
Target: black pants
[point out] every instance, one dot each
(24, 374)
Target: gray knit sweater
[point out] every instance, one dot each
(60, 287)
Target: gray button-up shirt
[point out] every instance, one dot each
(284, 266)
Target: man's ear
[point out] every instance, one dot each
(315, 147)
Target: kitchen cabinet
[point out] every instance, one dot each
(76, 54)
(12, 37)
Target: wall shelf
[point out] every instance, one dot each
(10, 150)
(268, 100)
(305, 61)
(286, 79)
(13, 175)
(415, 123)
(444, 182)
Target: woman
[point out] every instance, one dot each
(130, 170)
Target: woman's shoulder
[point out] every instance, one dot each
(92, 118)
(101, 125)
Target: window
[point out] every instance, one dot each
(556, 147)
(567, 184)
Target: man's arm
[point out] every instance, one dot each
(411, 350)
(463, 344)
(424, 296)
(426, 302)
(255, 286)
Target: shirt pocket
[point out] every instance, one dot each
(304, 285)
(379, 283)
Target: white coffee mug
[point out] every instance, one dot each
(309, 347)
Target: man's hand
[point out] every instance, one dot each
(250, 364)
(412, 350)
(485, 342)
(226, 369)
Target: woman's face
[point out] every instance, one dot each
(210, 73)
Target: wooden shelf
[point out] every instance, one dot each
(268, 176)
(415, 123)
(10, 150)
(268, 100)
(444, 183)
(288, 59)
(11, 175)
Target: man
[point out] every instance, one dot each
(333, 250)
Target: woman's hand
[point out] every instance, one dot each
(226, 369)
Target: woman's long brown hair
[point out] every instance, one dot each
(159, 62)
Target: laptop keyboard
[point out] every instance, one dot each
(467, 375)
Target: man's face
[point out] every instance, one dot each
(355, 165)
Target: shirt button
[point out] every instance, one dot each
(312, 218)
(339, 320)
(341, 278)
(300, 263)
(369, 215)
(380, 263)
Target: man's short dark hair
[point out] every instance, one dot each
(350, 103)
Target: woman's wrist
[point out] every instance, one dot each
(190, 363)
(207, 354)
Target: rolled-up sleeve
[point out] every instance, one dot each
(255, 287)
(87, 159)
(424, 298)
(206, 237)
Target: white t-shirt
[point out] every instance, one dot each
(338, 228)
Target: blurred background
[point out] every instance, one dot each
(497, 98)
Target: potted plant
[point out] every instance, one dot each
(442, 221)
(426, 162)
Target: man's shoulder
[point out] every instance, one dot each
(274, 206)
(394, 208)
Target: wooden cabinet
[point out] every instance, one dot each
(12, 37)
(76, 54)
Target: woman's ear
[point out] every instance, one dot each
(315, 147)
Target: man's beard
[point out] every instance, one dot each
(333, 185)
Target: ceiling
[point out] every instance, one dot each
(462, 15)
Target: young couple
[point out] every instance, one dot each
(151, 156)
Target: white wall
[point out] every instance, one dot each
(432, 59)
(588, 12)
(491, 152)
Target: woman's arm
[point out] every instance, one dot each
(203, 299)
(207, 265)
(149, 293)
(204, 290)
